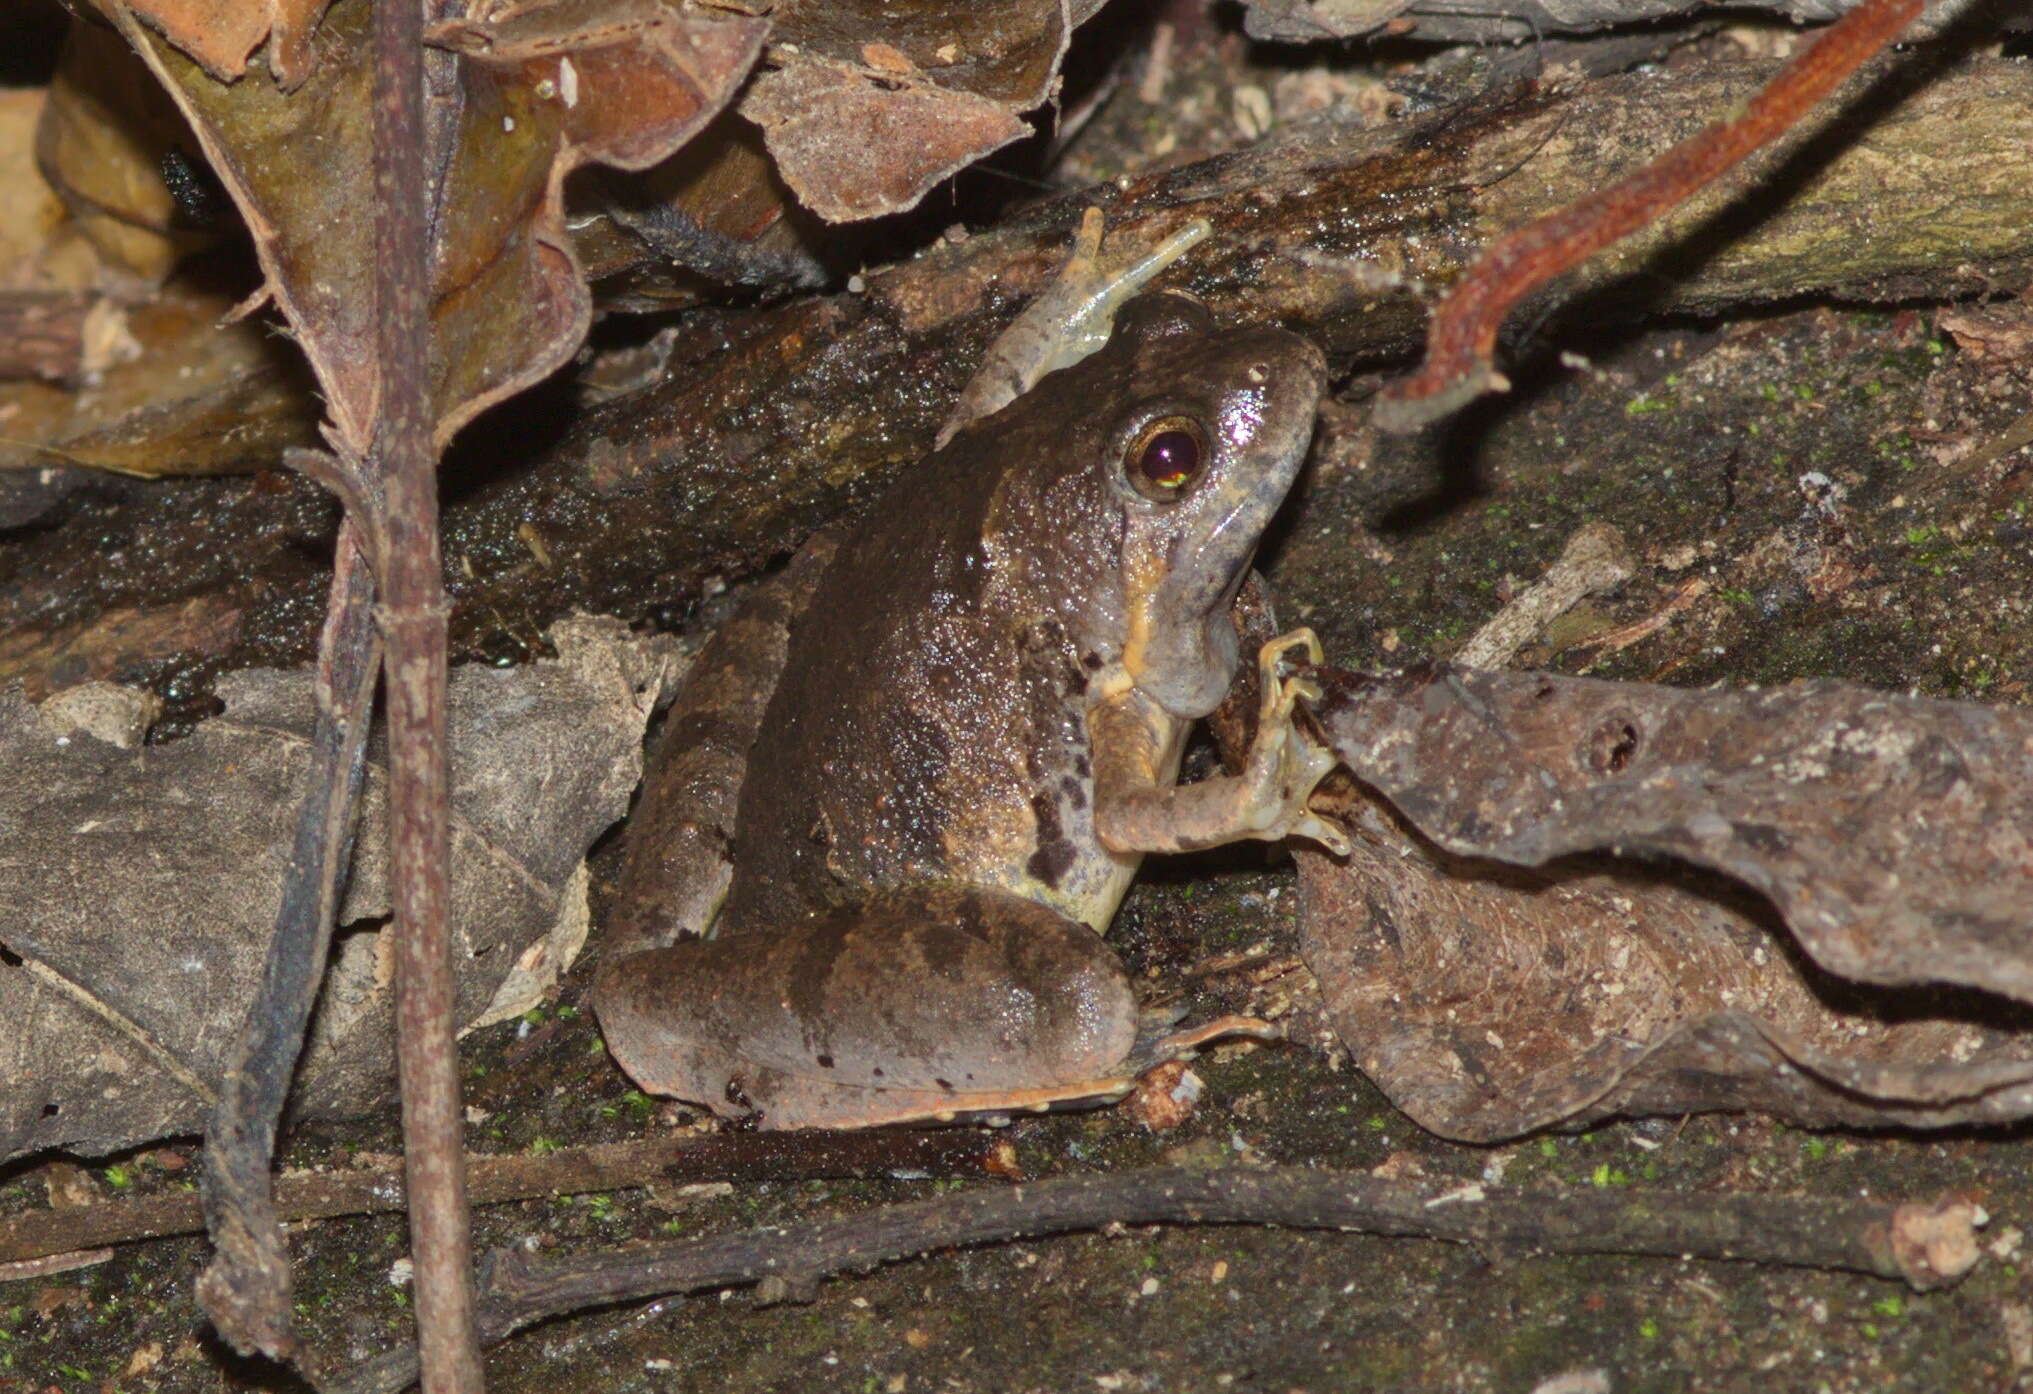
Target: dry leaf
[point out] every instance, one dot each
(40, 249)
(871, 105)
(223, 34)
(854, 148)
(1008, 53)
(1489, 1000)
(715, 214)
(199, 397)
(1316, 21)
(142, 885)
(949, 83)
(1895, 834)
(509, 303)
(104, 132)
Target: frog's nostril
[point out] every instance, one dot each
(1259, 372)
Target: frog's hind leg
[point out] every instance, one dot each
(932, 1002)
(675, 866)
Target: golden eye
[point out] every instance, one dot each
(1166, 458)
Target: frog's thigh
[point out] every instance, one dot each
(675, 867)
(917, 1003)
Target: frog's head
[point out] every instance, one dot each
(1175, 445)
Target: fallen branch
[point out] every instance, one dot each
(1924, 1245)
(404, 458)
(39, 1234)
(734, 459)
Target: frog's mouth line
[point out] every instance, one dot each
(1234, 586)
(1247, 517)
(1209, 600)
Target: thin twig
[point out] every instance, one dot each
(1461, 339)
(492, 1180)
(413, 627)
(246, 1288)
(1925, 1245)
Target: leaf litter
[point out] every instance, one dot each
(143, 883)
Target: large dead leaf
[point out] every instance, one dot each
(141, 886)
(1895, 834)
(716, 214)
(1888, 832)
(874, 102)
(545, 89)
(867, 107)
(854, 146)
(41, 249)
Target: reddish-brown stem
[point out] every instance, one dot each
(413, 627)
(1461, 339)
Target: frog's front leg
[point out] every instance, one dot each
(1138, 807)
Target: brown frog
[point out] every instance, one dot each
(962, 726)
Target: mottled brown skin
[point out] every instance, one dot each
(973, 738)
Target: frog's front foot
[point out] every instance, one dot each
(1284, 765)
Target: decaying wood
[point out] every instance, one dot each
(770, 421)
(658, 1161)
(1516, 21)
(1925, 1245)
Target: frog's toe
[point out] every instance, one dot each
(796, 1102)
(1325, 831)
(1272, 655)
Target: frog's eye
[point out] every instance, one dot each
(1166, 457)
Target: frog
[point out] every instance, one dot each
(905, 788)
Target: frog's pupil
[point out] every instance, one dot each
(1170, 458)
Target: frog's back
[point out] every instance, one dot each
(932, 722)
(929, 725)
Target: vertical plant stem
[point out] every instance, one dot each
(413, 627)
(246, 1287)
